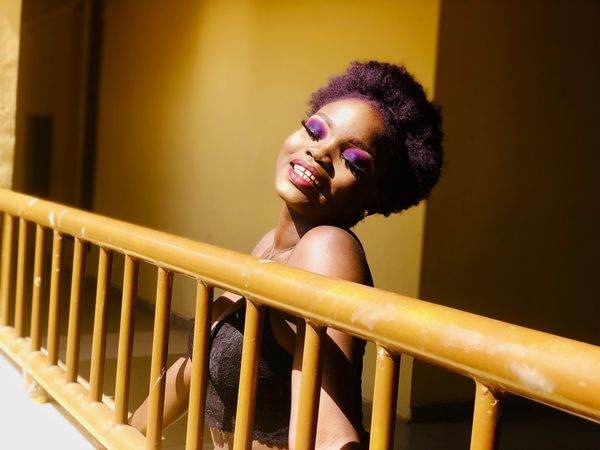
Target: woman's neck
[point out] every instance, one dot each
(289, 229)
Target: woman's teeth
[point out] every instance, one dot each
(305, 174)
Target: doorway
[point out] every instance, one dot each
(57, 100)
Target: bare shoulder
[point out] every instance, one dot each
(332, 237)
(332, 251)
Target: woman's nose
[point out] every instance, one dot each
(322, 156)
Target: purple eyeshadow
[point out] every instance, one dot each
(317, 127)
(357, 157)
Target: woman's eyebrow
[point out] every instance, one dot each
(360, 144)
(326, 118)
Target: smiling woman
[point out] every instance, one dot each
(326, 169)
(370, 144)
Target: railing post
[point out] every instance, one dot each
(99, 333)
(310, 387)
(383, 421)
(73, 334)
(53, 308)
(35, 391)
(486, 418)
(253, 325)
(130, 277)
(20, 285)
(160, 347)
(36, 292)
(197, 401)
(5, 300)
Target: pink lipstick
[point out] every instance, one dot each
(303, 174)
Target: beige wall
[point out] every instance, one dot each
(10, 21)
(196, 100)
(513, 230)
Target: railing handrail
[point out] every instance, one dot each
(557, 371)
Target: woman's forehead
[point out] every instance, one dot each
(355, 118)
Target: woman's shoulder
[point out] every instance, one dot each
(332, 251)
(332, 238)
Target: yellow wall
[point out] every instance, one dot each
(197, 98)
(512, 231)
(10, 20)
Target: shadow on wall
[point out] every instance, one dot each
(512, 229)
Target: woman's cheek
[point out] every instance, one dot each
(295, 139)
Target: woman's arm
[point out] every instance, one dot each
(330, 251)
(177, 391)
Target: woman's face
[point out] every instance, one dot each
(326, 169)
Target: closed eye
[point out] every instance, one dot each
(357, 161)
(315, 127)
(310, 132)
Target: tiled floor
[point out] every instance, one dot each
(526, 428)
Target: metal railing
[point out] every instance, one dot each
(500, 357)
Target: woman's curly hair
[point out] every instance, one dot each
(411, 166)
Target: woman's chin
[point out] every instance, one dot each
(290, 193)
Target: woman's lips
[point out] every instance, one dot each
(303, 174)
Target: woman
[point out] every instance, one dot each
(371, 144)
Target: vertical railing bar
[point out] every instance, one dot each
(253, 325)
(160, 347)
(126, 329)
(36, 293)
(99, 333)
(20, 283)
(5, 274)
(54, 303)
(385, 394)
(486, 418)
(310, 387)
(197, 401)
(74, 330)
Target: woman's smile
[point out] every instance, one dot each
(303, 174)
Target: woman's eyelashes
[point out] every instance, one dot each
(315, 128)
(356, 160)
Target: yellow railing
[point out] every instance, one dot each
(500, 357)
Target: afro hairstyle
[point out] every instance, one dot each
(411, 161)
